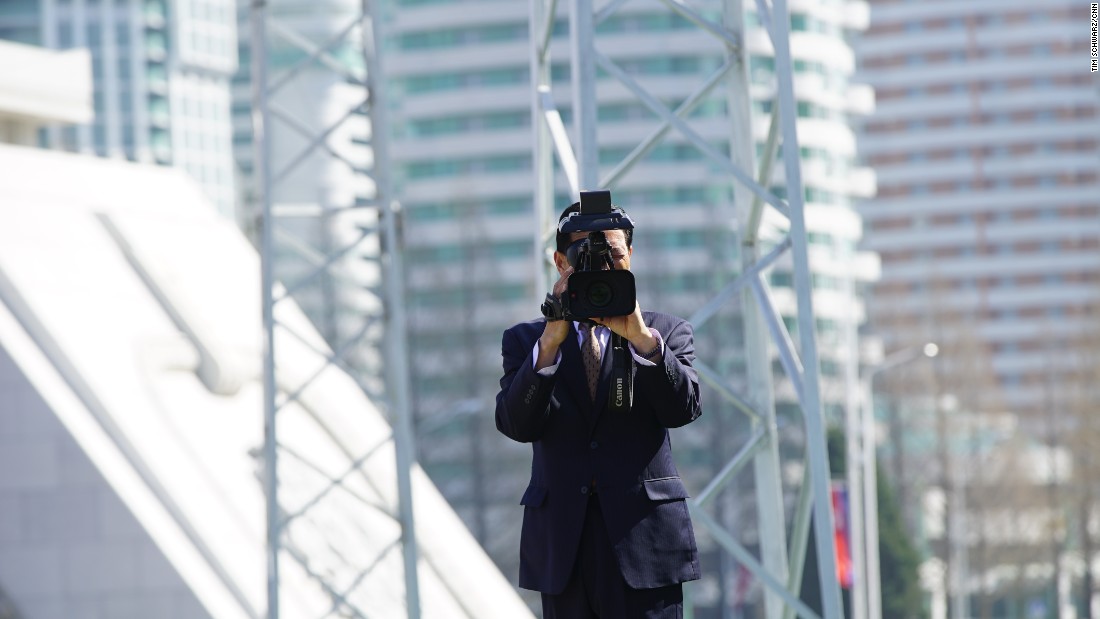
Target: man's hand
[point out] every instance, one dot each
(555, 331)
(632, 328)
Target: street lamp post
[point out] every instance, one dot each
(870, 476)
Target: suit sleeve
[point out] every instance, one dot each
(523, 402)
(672, 385)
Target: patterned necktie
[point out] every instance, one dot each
(590, 352)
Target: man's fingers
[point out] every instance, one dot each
(563, 281)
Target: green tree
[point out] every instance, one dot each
(7, 607)
(899, 560)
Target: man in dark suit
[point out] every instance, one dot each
(606, 531)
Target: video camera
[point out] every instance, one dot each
(595, 289)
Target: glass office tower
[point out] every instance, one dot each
(161, 71)
(985, 143)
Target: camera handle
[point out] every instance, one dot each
(552, 308)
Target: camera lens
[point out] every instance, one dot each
(599, 294)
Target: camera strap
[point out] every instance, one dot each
(621, 395)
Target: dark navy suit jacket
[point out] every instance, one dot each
(628, 455)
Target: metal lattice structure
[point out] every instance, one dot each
(780, 568)
(376, 227)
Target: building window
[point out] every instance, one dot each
(65, 35)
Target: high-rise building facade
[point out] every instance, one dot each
(461, 109)
(985, 142)
(161, 72)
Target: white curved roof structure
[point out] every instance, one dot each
(130, 323)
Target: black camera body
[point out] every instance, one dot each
(595, 289)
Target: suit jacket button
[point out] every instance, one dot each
(584, 489)
(593, 445)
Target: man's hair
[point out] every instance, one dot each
(562, 238)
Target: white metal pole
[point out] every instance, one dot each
(957, 539)
(583, 75)
(767, 481)
(858, 506)
(397, 356)
(857, 440)
(543, 156)
(262, 155)
(870, 472)
(870, 505)
(811, 396)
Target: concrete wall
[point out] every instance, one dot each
(69, 547)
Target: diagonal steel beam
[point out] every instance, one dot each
(283, 78)
(338, 482)
(336, 355)
(650, 142)
(304, 44)
(749, 561)
(381, 507)
(331, 259)
(560, 138)
(715, 380)
(736, 463)
(800, 536)
(547, 31)
(701, 20)
(764, 178)
(693, 136)
(303, 561)
(607, 10)
(792, 365)
(341, 602)
(711, 307)
(765, 15)
(813, 417)
(319, 140)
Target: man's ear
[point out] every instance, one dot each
(560, 261)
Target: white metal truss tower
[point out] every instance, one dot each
(780, 566)
(362, 32)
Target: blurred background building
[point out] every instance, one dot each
(129, 390)
(161, 74)
(985, 143)
(42, 87)
(168, 89)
